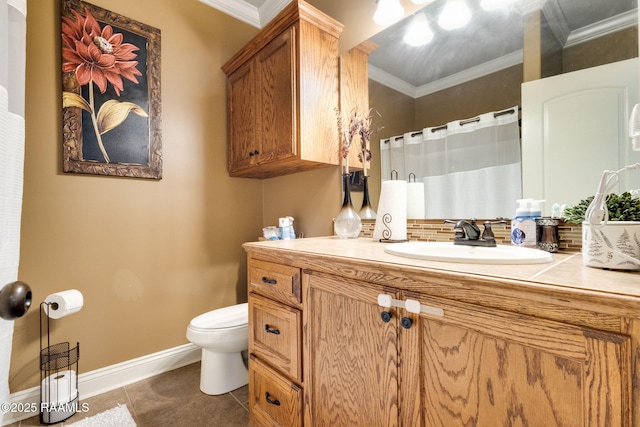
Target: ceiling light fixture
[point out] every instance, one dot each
(494, 4)
(419, 32)
(388, 12)
(455, 14)
(422, 1)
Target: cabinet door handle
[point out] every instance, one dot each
(270, 400)
(269, 281)
(271, 331)
(386, 316)
(406, 322)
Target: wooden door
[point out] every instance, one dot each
(485, 367)
(276, 99)
(574, 127)
(243, 136)
(351, 375)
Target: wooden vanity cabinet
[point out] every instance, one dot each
(275, 344)
(282, 93)
(466, 350)
(472, 365)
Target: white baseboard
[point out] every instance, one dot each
(110, 377)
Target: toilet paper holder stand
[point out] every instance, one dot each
(59, 398)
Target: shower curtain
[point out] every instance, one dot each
(470, 168)
(12, 83)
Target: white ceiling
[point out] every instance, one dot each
(490, 42)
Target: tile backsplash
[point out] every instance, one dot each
(436, 231)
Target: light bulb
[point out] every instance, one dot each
(418, 33)
(455, 14)
(494, 4)
(388, 11)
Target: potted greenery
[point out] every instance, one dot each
(614, 243)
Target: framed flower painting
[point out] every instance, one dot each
(110, 93)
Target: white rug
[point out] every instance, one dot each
(118, 416)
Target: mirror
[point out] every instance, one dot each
(481, 67)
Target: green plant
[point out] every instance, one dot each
(621, 207)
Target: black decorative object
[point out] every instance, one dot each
(15, 300)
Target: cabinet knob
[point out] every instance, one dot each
(271, 331)
(271, 401)
(386, 316)
(406, 322)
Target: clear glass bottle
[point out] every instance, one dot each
(347, 224)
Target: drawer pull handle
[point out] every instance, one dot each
(271, 331)
(270, 400)
(269, 281)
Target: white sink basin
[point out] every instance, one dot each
(444, 251)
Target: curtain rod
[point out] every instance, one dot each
(462, 123)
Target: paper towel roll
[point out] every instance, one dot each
(59, 388)
(391, 219)
(61, 304)
(415, 200)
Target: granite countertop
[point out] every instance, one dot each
(566, 271)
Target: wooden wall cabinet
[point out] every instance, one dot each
(282, 95)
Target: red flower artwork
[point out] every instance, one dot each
(98, 56)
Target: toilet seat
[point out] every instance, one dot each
(231, 317)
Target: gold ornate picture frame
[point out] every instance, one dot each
(111, 109)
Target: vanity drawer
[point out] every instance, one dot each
(273, 401)
(275, 334)
(277, 281)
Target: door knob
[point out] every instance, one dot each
(15, 300)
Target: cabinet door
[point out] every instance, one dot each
(243, 137)
(351, 376)
(484, 367)
(276, 98)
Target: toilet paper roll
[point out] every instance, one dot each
(391, 219)
(415, 200)
(61, 304)
(59, 388)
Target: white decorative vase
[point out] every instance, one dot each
(614, 246)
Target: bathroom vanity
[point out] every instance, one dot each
(484, 345)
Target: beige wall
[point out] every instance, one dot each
(147, 255)
(493, 92)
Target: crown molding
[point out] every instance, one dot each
(472, 73)
(244, 11)
(604, 27)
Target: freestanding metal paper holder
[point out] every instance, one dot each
(58, 375)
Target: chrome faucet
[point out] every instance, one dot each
(467, 232)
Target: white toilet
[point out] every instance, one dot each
(223, 335)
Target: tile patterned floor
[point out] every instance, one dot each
(170, 399)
